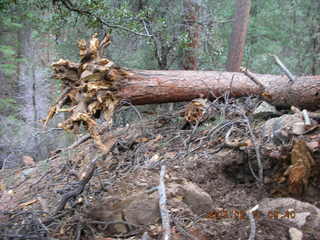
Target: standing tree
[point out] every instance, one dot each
(192, 29)
(238, 35)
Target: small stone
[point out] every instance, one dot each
(298, 128)
(295, 234)
(28, 172)
(197, 199)
(28, 161)
(265, 110)
(143, 210)
(300, 218)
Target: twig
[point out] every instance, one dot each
(252, 171)
(246, 72)
(87, 13)
(78, 231)
(284, 68)
(182, 230)
(306, 117)
(133, 107)
(310, 114)
(145, 28)
(145, 236)
(81, 185)
(79, 141)
(252, 222)
(231, 144)
(163, 208)
(256, 146)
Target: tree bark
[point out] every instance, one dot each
(238, 35)
(150, 87)
(95, 86)
(192, 28)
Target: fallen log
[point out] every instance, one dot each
(150, 86)
(96, 85)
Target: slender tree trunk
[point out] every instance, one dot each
(315, 38)
(192, 28)
(238, 35)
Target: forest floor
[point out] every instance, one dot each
(210, 185)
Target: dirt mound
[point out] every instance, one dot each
(79, 193)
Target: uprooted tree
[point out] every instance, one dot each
(96, 85)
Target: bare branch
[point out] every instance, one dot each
(163, 207)
(70, 7)
(256, 145)
(306, 117)
(233, 144)
(246, 72)
(252, 222)
(284, 68)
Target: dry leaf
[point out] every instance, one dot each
(142, 140)
(157, 138)
(2, 187)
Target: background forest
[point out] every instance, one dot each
(146, 34)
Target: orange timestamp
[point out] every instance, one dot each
(241, 214)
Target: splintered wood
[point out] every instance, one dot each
(89, 88)
(300, 169)
(197, 111)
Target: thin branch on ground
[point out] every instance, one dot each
(256, 145)
(81, 185)
(252, 222)
(306, 117)
(231, 144)
(165, 217)
(182, 230)
(315, 115)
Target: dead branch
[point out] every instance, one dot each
(256, 146)
(284, 68)
(165, 217)
(246, 72)
(233, 144)
(81, 185)
(315, 115)
(252, 222)
(306, 117)
(67, 4)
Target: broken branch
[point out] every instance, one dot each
(284, 68)
(165, 217)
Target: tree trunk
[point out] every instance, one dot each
(315, 38)
(147, 87)
(238, 35)
(96, 85)
(192, 28)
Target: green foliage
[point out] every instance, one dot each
(284, 28)
(7, 65)
(8, 106)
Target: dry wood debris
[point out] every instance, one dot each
(88, 89)
(300, 169)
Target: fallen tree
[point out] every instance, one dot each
(96, 85)
(149, 86)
